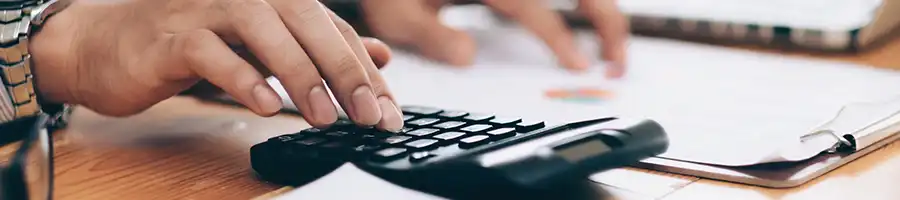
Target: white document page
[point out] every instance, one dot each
(350, 182)
(718, 106)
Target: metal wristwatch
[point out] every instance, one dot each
(20, 19)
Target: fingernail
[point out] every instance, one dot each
(372, 40)
(323, 109)
(365, 107)
(267, 100)
(391, 120)
(581, 62)
(615, 70)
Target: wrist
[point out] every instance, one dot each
(51, 48)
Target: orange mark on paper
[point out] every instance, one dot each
(583, 94)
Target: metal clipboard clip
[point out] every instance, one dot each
(858, 125)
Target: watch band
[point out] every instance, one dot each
(15, 61)
(18, 21)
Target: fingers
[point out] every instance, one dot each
(337, 63)
(379, 51)
(391, 118)
(416, 24)
(547, 25)
(612, 29)
(284, 57)
(210, 58)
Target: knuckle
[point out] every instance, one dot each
(302, 13)
(347, 66)
(305, 10)
(298, 71)
(192, 44)
(344, 28)
(380, 88)
(247, 11)
(243, 6)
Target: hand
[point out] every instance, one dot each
(415, 23)
(121, 57)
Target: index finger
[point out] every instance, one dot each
(612, 31)
(339, 66)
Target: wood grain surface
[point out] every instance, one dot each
(186, 149)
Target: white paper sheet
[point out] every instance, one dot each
(350, 182)
(720, 106)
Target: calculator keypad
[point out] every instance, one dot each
(429, 133)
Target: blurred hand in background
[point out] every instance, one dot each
(416, 24)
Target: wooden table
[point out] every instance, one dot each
(186, 149)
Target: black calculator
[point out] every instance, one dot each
(451, 152)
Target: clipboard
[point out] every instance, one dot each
(835, 146)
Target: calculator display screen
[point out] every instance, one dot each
(582, 150)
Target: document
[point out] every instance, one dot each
(719, 106)
(350, 182)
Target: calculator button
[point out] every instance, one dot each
(284, 138)
(396, 139)
(502, 132)
(473, 141)
(422, 132)
(421, 143)
(336, 145)
(449, 125)
(371, 137)
(505, 121)
(337, 133)
(366, 148)
(388, 154)
(312, 130)
(478, 117)
(405, 129)
(526, 126)
(420, 110)
(453, 114)
(337, 148)
(423, 122)
(420, 156)
(476, 128)
(343, 122)
(449, 135)
(407, 117)
(311, 141)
